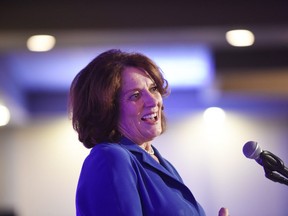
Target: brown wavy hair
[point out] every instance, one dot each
(94, 95)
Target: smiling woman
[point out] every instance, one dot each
(140, 107)
(117, 110)
(99, 90)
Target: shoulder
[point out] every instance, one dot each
(108, 160)
(109, 150)
(109, 153)
(107, 172)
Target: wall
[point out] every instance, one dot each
(41, 167)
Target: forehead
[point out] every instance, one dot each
(132, 76)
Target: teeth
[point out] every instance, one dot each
(151, 116)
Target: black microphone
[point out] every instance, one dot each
(273, 166)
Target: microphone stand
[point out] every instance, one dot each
(274, 167)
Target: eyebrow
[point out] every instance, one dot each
(137, 89)
(130, 90)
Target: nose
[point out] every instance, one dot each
(150, 100)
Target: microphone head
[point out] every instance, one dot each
(252, 150)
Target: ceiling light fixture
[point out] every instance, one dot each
(4, 115)
(214, 115)
(240, 38)
(41, 43)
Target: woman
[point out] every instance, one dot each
(117, 110)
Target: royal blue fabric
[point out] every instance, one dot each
(123, 180)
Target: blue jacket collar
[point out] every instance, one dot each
(164, 168)
(146, 158)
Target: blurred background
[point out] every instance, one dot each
(243, 80)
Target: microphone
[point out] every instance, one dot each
(273, 166)
(252, 150)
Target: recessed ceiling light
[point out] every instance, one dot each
(214, 115)
(41, 43)
(4, 115)
(240, 38)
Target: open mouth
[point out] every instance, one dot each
(151, 118)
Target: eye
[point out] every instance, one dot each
(135, 96)
(154, 88)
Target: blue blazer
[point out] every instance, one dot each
(121, 179)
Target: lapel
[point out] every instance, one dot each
(164, 168)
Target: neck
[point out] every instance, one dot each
(148, 148)
(144, 145)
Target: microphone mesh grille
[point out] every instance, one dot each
(251, 150)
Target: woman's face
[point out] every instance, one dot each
(140, 106)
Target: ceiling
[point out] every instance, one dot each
(84, 28)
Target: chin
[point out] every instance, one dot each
(157, 133)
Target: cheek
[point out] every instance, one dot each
(160, 99)
(123, 114)
(127, 111)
